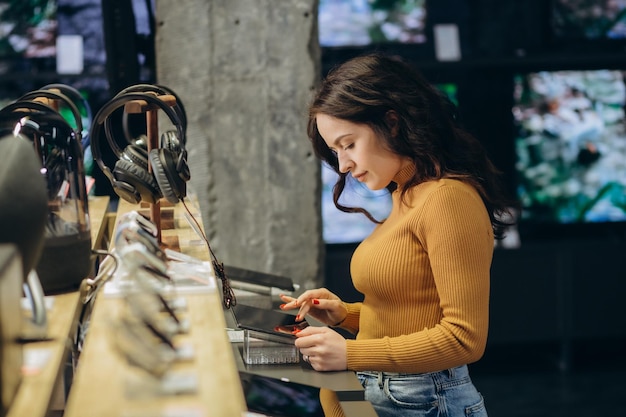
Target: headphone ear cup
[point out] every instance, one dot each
(133, 180)
(136, 154)
(170, 141)
(165, 167)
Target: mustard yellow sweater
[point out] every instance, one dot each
(424, 274)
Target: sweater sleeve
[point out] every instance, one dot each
(351, 322)
(455, 231)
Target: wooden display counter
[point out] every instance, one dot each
(105, 385)
(46, 360)
(102, 222)
(344, 383)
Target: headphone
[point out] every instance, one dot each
(82, 105)
(34, 106)
(52, 95)
(179, 108)
(130, 177)
(52, 159)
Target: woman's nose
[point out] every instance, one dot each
(345, 163)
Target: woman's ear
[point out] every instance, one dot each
(391, 120)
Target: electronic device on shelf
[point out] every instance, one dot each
(271, 322)
(276, 397)
(259, 278)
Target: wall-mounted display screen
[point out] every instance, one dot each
(28, 31)
(589, 19)
(571, 145)
(340, 227)
(368, 22)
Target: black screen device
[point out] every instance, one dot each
(267, 321)
(280, 397)
(259, 278)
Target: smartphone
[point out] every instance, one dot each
(267, 321)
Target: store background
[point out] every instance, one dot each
(557, 294)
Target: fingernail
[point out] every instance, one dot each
(298, 317)
(282, 306)
(316, 301)
(296, 331)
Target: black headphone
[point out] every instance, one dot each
(34, 106)
(53, 95)
(170, 139)
(130, 178)
(52, 159)
(81, 104)
(179, 107)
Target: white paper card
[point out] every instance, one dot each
(69, 54)
(447, 44)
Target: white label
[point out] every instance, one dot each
(447, 44)
(69, 54)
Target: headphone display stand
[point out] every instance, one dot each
(152, 132)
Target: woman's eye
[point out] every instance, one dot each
(348, 146)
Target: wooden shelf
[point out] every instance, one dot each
(43, 384)
(101, 382)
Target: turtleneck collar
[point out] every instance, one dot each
(404, 175)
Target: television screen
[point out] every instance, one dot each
(571, 145)
(367, 22)
(28, 32)
(589, 19)
(340, 227)
(31, 54)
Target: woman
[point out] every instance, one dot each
(424, 271)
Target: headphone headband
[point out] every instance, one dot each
(76, 98)
(58, 96)
(159, 89)
(102, 116)
(27, 104)
(73, 94)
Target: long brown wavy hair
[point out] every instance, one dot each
(366, 88)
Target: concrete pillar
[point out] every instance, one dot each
(245, 70)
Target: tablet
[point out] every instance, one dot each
(275, 397)
(267, 321)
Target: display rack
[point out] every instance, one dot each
(151, 112)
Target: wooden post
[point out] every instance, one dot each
(152, 132)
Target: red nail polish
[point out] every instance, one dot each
(316, 301)
(298, 317)
(282, 306)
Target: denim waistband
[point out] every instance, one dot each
(459, 373)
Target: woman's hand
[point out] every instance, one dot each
(323, 348)
(320, 304)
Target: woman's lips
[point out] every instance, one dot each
(360, 177)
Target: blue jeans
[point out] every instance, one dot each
(448, 393)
